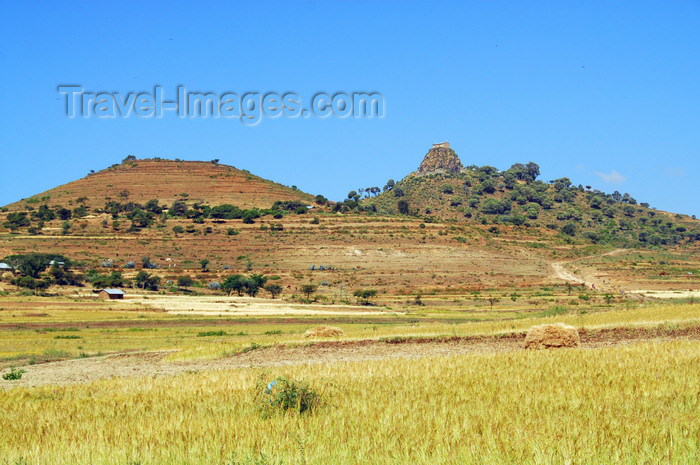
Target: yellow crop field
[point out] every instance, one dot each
(629, 404)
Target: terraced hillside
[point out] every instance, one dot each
(167, 181)
(445, 228)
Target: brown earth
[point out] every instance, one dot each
(153, 364)
(167, 180)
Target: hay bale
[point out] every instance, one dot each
(7, 276)
(324, 331)
(552, 336)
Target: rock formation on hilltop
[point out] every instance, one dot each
(441, 158)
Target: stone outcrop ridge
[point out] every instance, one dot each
(441, 158)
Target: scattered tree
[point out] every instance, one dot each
(569, 229)
(233, 283)
(364, 295)
(273, 289)
(403, 207)
(148, 281)
(308, 289)
(253, 284)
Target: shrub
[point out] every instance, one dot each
(184, 281)
(286, 395)
(555, 311)
(569, 229)
(364, 295)
(211, 333)
(403, 207)
(496, 207)
(14, 374)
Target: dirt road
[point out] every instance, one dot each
(560, 271)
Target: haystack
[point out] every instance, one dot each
(324, 331)
(552, 336)
(7, 276)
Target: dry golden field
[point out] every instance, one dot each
(124, 383)
(626, 404)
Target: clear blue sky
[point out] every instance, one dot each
(606, 93)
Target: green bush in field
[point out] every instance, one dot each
(14, 374)
(286, 395)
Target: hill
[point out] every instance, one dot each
(166, 181)
(443, 229)
(443, 190)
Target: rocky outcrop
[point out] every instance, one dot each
(441, 158)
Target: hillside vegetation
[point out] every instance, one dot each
(515, 197)
(434, 230)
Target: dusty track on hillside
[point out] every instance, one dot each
(561, 272)
(152, 363)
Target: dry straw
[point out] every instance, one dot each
(552, 336)
(324, 331)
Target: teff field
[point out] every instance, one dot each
(121, 383)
